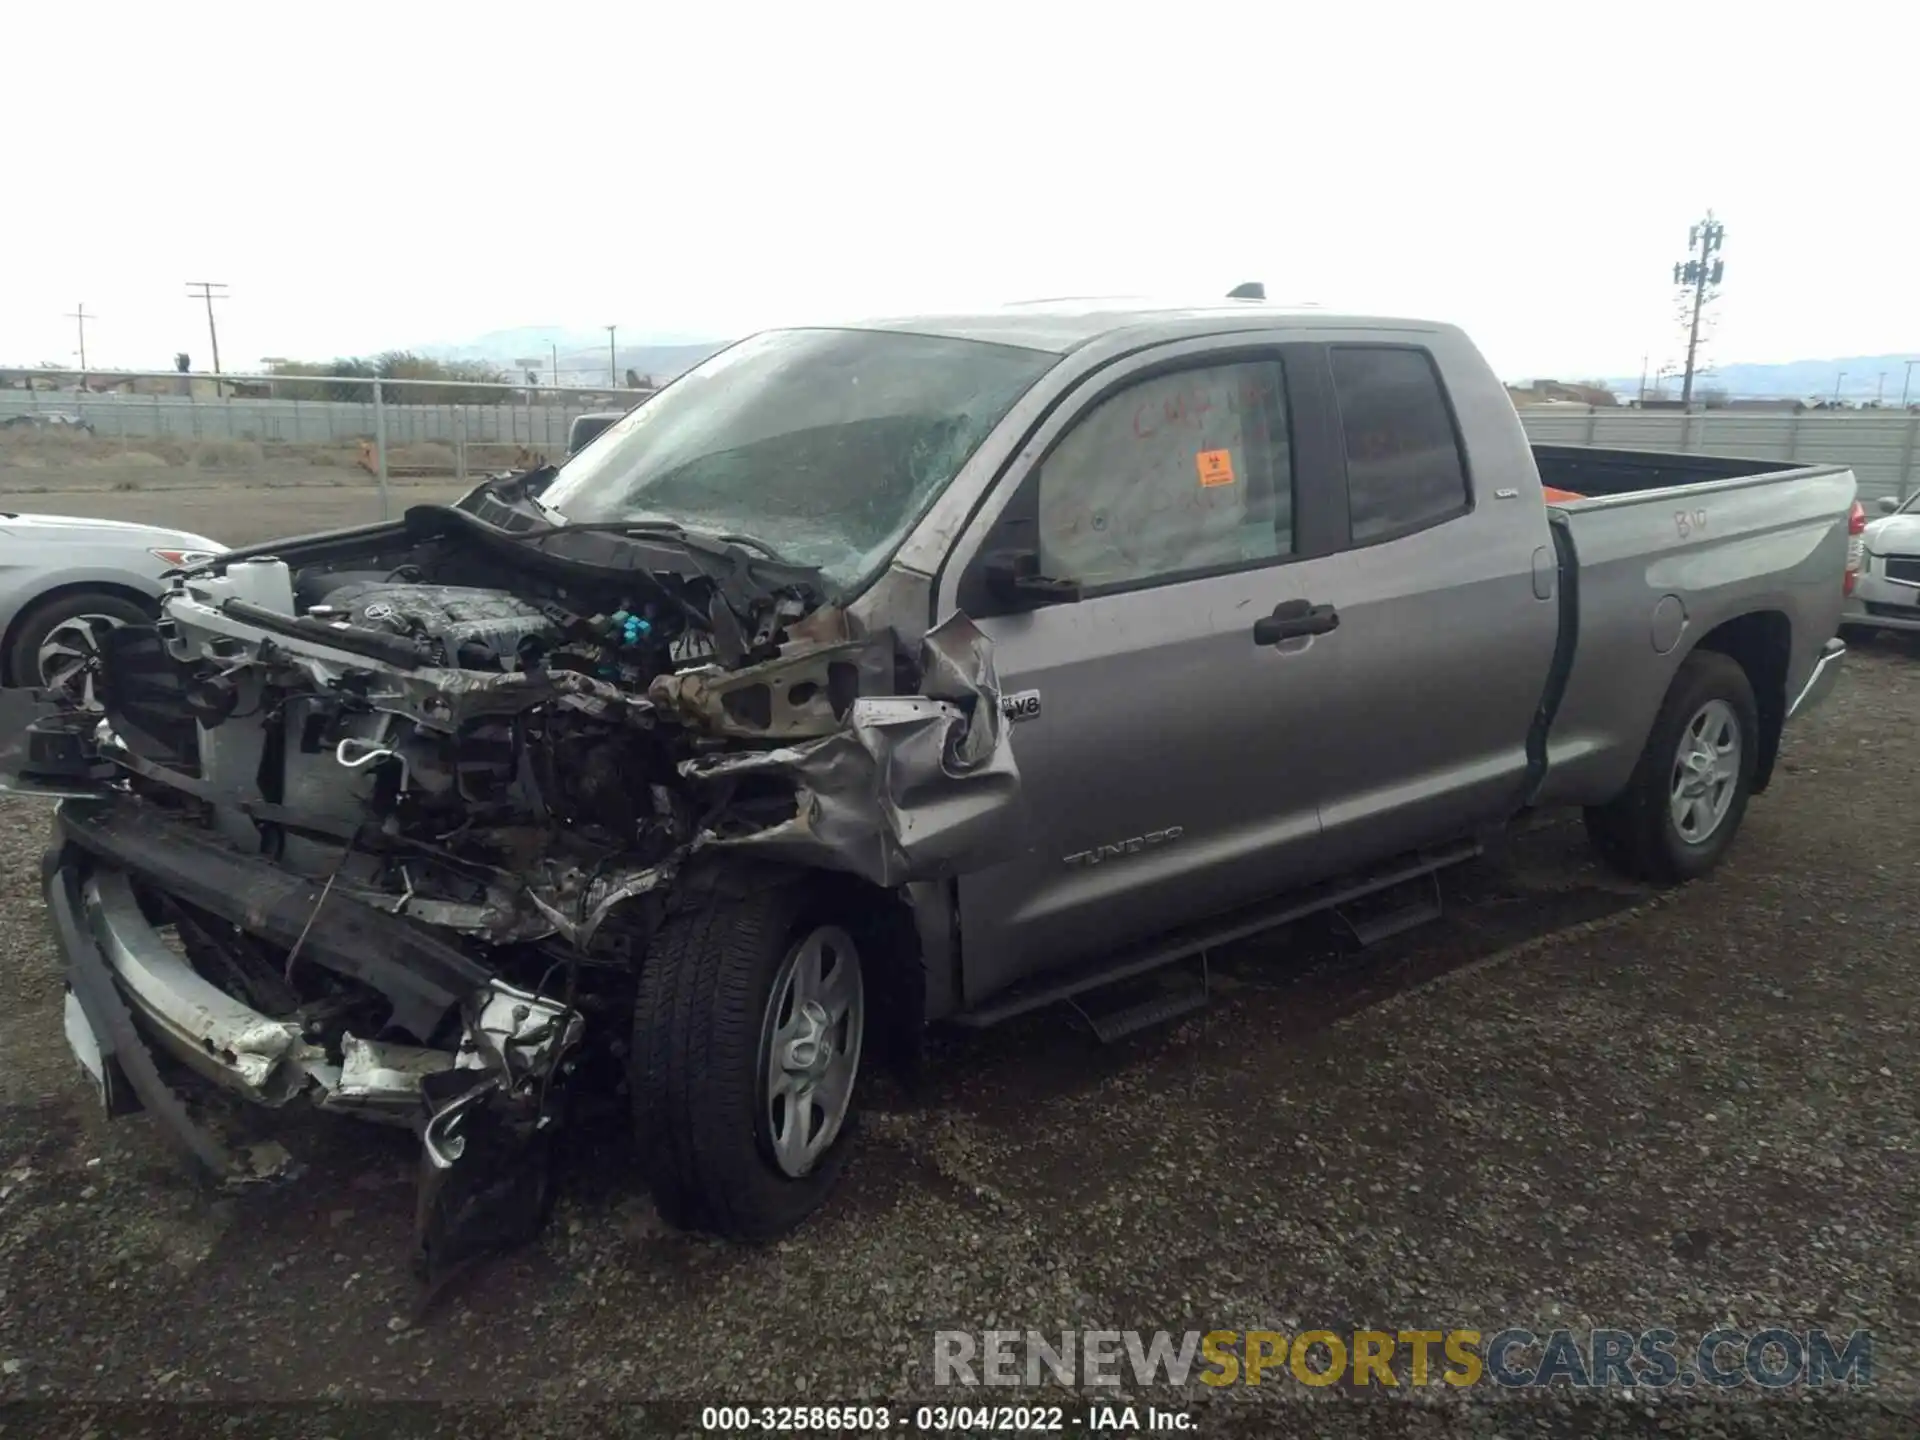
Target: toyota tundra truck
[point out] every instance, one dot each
(869, 677)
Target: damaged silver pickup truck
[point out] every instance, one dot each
(689, 767)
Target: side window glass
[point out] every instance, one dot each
(1187, 471)
(1404, 469)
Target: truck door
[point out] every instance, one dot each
(1165, 719)
(1448, 616)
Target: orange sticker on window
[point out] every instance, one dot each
(1215, 466)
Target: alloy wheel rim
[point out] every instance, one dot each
(810, 1047)
(69, 658)
(1706, 772)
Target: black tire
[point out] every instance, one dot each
(1635, 832)
(41, 618)
(703, 994)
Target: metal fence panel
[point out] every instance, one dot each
(1882, 446)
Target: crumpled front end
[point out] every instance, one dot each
(383, 823)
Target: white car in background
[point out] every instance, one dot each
(63, 579)
(1887, 594)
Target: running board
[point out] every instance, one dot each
(1170, 1004)
(1237, 925)
(1420, 909)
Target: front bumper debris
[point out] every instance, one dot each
(486, 1168)
(200, 1025)
(421, 976)
(103, 1033)
(486, 1109)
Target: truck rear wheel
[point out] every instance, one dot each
(747, 1039)
(1688, 793)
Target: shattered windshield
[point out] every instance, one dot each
(825, 445)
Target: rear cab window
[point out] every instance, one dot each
(1405, 468)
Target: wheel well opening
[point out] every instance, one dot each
(1760, 644)
(51, 597)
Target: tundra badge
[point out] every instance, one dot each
(1133, 845)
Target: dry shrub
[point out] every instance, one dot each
(226, 455)
(53, 449)
(425, 453)
(67, 444)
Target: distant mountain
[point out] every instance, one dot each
(1860, 377)
(582, 354)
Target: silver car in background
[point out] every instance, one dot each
(1887, 594)
(63, 578)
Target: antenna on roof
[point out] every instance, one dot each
(1252, 290)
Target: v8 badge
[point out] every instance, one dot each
(1021, 705)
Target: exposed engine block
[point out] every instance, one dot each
(467, 629)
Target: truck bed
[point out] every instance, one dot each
(1659, 552)
(1605, 473)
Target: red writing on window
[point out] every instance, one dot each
(1191, 407)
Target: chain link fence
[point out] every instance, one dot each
(485, 427)
(495, 426)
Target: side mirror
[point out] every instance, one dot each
(1887, 505)
(1013, 577)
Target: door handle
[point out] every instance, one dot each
(1293, 618)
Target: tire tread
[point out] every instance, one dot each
(1633, 831)
(695, 1066)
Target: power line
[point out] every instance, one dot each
(81, 317)
(206, 289)
(1697, 274)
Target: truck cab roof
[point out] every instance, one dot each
(1066, 324)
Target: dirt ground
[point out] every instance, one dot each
(1571, 1102)
(237, 515)
(236, 492)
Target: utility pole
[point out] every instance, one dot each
(553, 350)
(207, 289)
(1907, 384)
(1838, 380)
(1880, 389)
(80, 316)
(613, 374)
(1696, 273)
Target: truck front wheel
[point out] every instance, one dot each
(1688, 793)
(747, 1038)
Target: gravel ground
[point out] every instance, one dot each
(1570, 1103)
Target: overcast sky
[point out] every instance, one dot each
(366, 176)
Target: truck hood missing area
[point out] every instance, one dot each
(398, 801)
